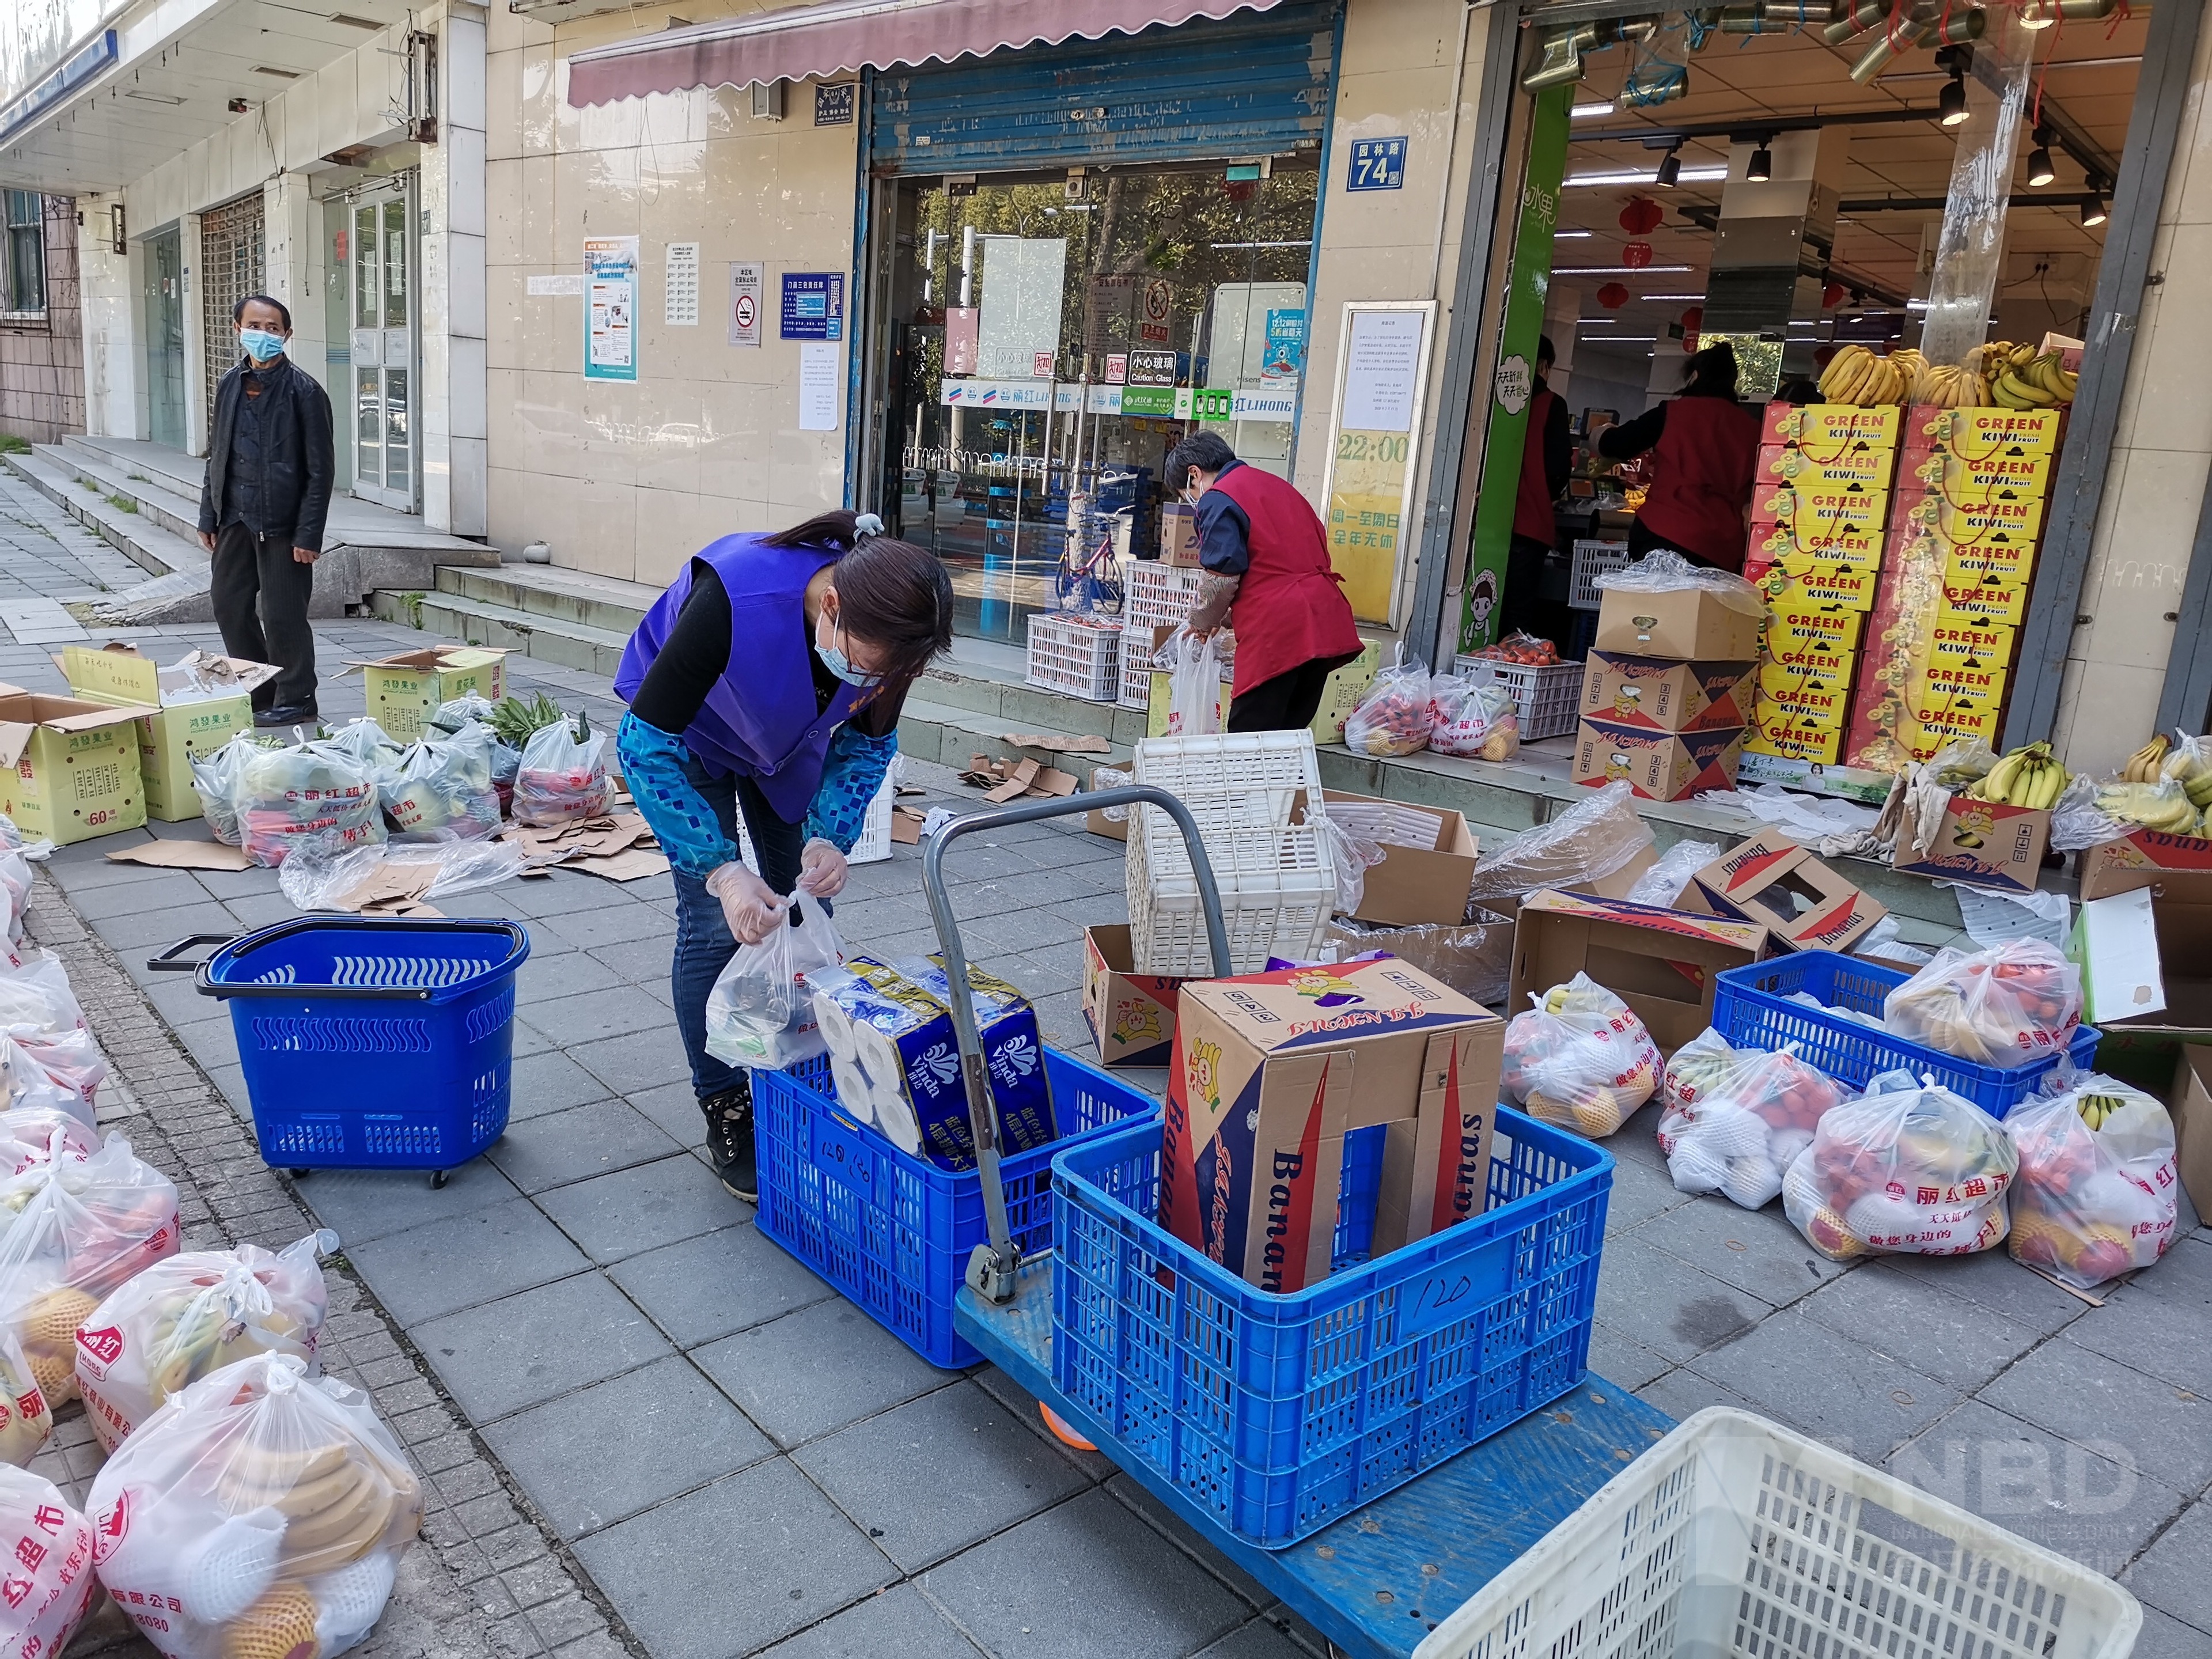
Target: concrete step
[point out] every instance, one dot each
(603, 603)
(157, 496)
(139, 536)
(548, 639)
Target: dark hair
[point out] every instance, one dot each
(1546, 351)
(1802, 390)
(1209, 451)
(893, 594)
(238, 311)
(1711, 372)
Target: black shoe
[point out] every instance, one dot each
(290, 714)
(729, 1139)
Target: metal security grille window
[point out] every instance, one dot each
(25, 294)
(231, 267)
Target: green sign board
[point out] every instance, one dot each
(1148, 400)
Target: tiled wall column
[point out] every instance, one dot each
(108, 294)
(196, 365)
(453, 323)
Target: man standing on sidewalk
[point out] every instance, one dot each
(268, 490)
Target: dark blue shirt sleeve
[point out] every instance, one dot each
(1224, 535)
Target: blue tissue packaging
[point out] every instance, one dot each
(1013, 1050)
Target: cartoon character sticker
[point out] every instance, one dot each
(1327, 989)
(1137, 1020)
(1202, 1073)
(1618, 769)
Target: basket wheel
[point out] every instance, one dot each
(1062, 1431)
(299, 1175)
(438, 1178)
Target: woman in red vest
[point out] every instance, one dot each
(1268, 573)
(1548, 456)
(1704, 455)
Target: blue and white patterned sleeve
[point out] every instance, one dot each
(850, 778)
(689, 833)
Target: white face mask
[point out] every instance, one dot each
(834, 659)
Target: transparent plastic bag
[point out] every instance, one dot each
(1662, 883)
(260, 1513)
(1737, 1118)
(324, 873)
(758, 1015)
(562, 779)
(74, 1230)
(192, 1314)
(1111, 777)
(453, 718)
(50, 1579)
(25, 1418)
(2095, 1196)
(1474, 958)
(2018, 1001)
(1587, 842)
(61, 1071)
(36, 996)
(1907, 1169)
(216, 779)
(36, 1134)
(1665, 571)
(1473, 715)
(1355, 856)
(442, 790)
(1193, 666)
(1580, 1059)
(1393, 716)
(14, 894)
(2076, 822)
(325, 788)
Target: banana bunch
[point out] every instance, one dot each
(2143, 765)
(2163, 806)
(1987, 359)
(2029, 379)
(2190, 767)
(2095, 1109)
(2030, 776)
(1910, 362)
(1950, 385)
(1856, 376)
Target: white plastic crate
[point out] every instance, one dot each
(1593, 559)
(1136, 667)
(1075, 654)
(1734, 1538)
(1547, 697)
(1277, 878)
(1156, 595)
(874, 845)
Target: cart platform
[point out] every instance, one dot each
(1376, 1582)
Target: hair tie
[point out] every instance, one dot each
(866, 524)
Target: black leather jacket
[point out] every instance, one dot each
(298, 465)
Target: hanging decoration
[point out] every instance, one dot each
(1832, 296)
(1693, 321)
(1642, 217)
(1636, 255)
(1613, 296)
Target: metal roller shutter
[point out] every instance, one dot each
(232, 266)
(1255, 84)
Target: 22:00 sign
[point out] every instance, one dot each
(1370, 447)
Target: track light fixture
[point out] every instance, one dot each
(2093, 210)
(2040, 170)
(1760, 167)
(1670, 167)
(1951, 107)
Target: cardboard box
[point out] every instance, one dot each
(1179, 536)
(1801, 581)
(1932, 466)
(1271, 1072)
(1343, 691)
(1827, 627)
(2191, 1102)
(1772, 881)
(1987, 600)
(1689, 624)
(1787, 739)
(1657, 765)
(1975, 434)
(1661, 694)
(1962, 522)
(2115, 945)
(68, 768)
(1762, 765)
(1132, 1016)
(1663, 964)
(404, 690)
(1864, 468)
(1809, 510)
(1845, 544)
(1416, 883)
(1988, 843)
(2181, 917)
(1804, 702)
(1812, 676)
(1995, 556)
(204, 702)
(1832, 430)
(2179, 864)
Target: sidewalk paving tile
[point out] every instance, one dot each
(544, 979)
(645, 1437)
(137, 932)
(644, 1060)
(2091, 1399)
(1756, 1251)
(611, 1011)
(559, 1147)
(637, 1209)
(447, 1266)
(1260, 1640)
(817, 1369)
(614, 924)
(728, 1569)
(931, 1477)
(2165, 1637)
(361, 1205)
(537, 1345)
(899, 1621)
(550, 1082)
(1995, 1281)
(2161, 1322)
(722, 1282)
(675, 1107)
(1667, 1305)
(1820, 1383)
(1954, 1340)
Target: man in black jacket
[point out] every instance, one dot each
(262, 508)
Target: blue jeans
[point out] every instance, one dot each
(703, 943)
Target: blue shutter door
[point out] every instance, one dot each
(1254, 85)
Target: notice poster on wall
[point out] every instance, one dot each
(820, 365)
(1381, 369)
(611, 307)
(1023, 278)
(745, 287)
(679, 294)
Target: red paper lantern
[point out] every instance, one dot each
(1824, 355)
(1832, 296)
(1642, 217)
(1613, 296)
(1636, 255)
(1694, 319)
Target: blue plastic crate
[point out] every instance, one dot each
(1276, 1414)
(373, 1044)
(894, 1231)
(1752, 1009)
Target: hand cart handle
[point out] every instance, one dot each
(166, 962)
(994, 1267)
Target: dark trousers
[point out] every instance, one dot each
(1288, 702)
(704, 944)
(1536, 598)
(260, 593)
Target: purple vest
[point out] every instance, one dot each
(759, 721)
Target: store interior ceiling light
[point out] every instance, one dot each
(1670, 168)
(1620, 339)
(1689, 176)
(1760, 167)
(1307, 243)
(2040, 170)
(1648, 298)
(1584, 111)
(1952, 102)
(1618, 271)
(1562, 235)
(2092, 212)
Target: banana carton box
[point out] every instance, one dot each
(1859, 468)
(1979, 478)
(1988, 843)
(1825, 671)
(1657, 765)
(1772, 881)
(1989, 599)
(1971, 434)
(1802, 701)
(1800, 581)
(1664, 694)
(1829, 544)
(1812, 509)
(1132, 1016)
(1824, 629)
(2015, 520)
(1787, 738)
(1830, 431)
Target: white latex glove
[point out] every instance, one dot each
(822, 869)
(748, 905)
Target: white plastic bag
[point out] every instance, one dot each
(195, 1313)
(1474, 714)
(1665, 571)
(60, 1070)
(1662, 883)
(1907, 1169)
(758, 1015)
(2016, 1002)
(561, 780)
(1587, 842)
(1355, 856)
(260, 1513)
(455, 717)
(327, 789)
(37, 997)
(1394, 715)
(441, 790)
(215, 781)
(2095, 1196)
(49, 1583)
(1737, 1118)
(74, 1230)
(26, 1420)
(1194, 683)
(1580, 1059)
(34, 1134)
(325, 874)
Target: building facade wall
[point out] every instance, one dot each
(42, 359)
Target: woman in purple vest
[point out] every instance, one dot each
(768, 681)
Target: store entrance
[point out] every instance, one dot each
(1053, 336)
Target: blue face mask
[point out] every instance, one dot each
(260, 345)
(839, 663)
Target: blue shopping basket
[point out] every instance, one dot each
(369, 1043)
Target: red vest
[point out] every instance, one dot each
(1702, 470)
(1289, 609)
(1532, 506)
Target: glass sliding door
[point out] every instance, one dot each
(380, 269)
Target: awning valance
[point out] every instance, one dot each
(839, 36)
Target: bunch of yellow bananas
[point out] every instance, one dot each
(2190, 766)
(2030, 776)
(1856, 376)
(1950, 385)
(2030, 379)
(2143, 765)
(2095, 1109)
(2164, 806)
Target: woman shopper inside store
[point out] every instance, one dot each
(767, 682)
(1705, 454)
(1267, 575)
